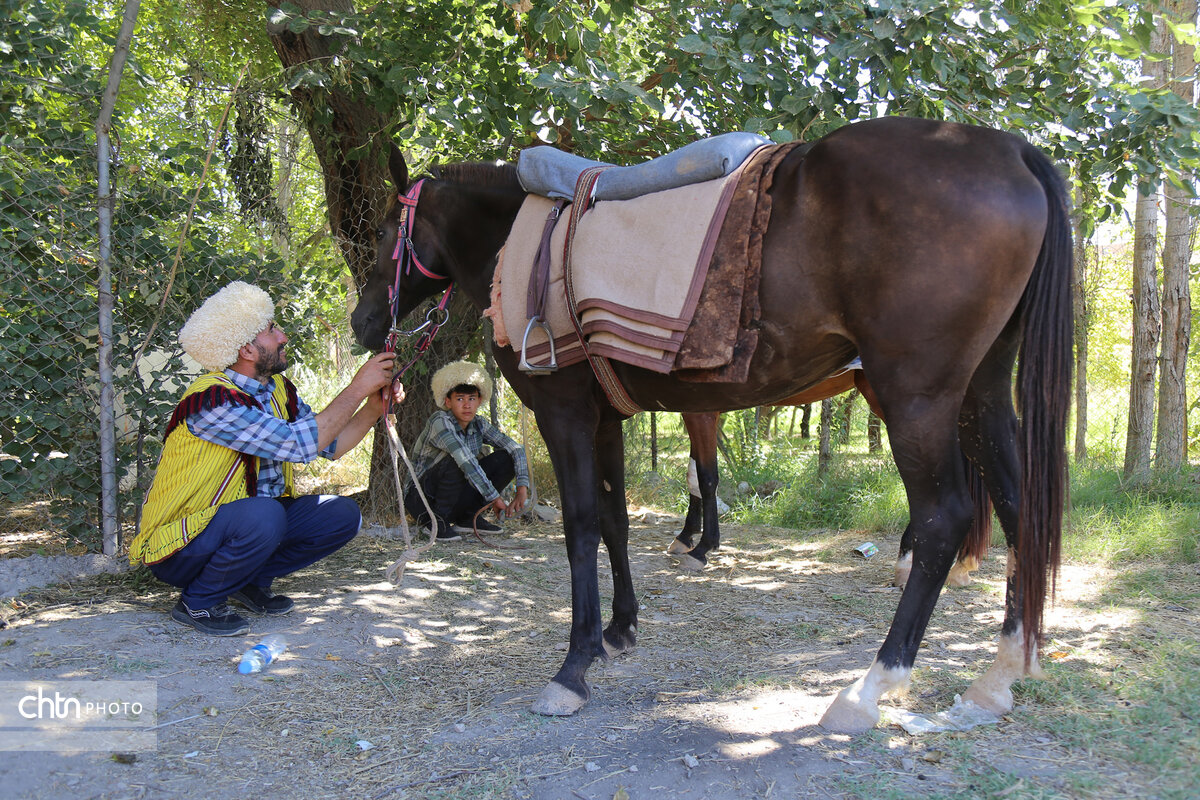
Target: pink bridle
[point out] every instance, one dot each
(405, 257)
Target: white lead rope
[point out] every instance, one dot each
(395, 573)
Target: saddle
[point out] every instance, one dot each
(550, 172)
(667, 281)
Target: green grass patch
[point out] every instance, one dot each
(1116, 523)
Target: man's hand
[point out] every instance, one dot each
(375, 374)
(377, 402)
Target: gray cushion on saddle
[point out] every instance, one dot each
(550, 172)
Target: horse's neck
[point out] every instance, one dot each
(484, 230)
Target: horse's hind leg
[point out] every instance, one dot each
(973, 548)
(621, 633)
(702, 510)
(927, 456)
(989, 437)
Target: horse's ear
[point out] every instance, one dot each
(398, 168)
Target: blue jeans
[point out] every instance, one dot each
(255, 540)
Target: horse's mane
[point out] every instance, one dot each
(483, 174)
(477, 173)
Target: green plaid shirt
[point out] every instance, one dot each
(443, 437)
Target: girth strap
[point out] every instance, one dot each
(617, 396)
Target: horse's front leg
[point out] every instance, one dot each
(571, 441)
(621, 634)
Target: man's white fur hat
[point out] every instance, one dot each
(460, 373)
(229, 319)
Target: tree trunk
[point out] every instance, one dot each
(1145, 335)
(1146, 313)
(1079, 301)
(874, 433)
(345, 137)
(344, 133)
(845, 413)
(824, 453)
(1170, 450)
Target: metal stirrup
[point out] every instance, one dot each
(537, 369)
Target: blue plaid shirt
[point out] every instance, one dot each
(260, 433)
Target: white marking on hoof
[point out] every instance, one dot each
(557, 701)
(613, 652)
(903, 568)
(856, 708)
(960, 573)
(690, 564)
(677, 547)
(992, 690)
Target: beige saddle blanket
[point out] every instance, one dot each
(638, 267)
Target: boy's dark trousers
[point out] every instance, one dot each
(451, 495)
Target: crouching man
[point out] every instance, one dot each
(222, 519)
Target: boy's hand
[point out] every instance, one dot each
(511, 509)
(519, 500)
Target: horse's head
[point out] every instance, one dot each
(410, 259)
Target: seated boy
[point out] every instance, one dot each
(446, 458)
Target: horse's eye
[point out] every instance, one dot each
(379, 234)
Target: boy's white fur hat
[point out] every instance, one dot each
(460, 373)
(229, 319)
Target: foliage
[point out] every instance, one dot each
(621, 82)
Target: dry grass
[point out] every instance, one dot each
(733, 667)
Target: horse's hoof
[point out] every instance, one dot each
(690, 563)
(997, 700)
(557, 700)
(677, 547)
(847, 716)
(960, 573)
(626, 645)
(958, 577)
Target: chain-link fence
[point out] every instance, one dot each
(198, 202)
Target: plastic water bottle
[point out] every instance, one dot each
(263, 653)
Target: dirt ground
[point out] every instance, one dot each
(422, 691)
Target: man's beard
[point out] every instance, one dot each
(269, 363)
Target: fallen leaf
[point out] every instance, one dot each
(332, 657)
(210, 711)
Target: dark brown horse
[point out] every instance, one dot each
(935, 252)
(702, 514)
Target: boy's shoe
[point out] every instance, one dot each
(262, 601)
(215, 621)
(444, 532)
(481, 524)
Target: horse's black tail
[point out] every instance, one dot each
(1043, 399)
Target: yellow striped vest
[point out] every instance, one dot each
(194, 477)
